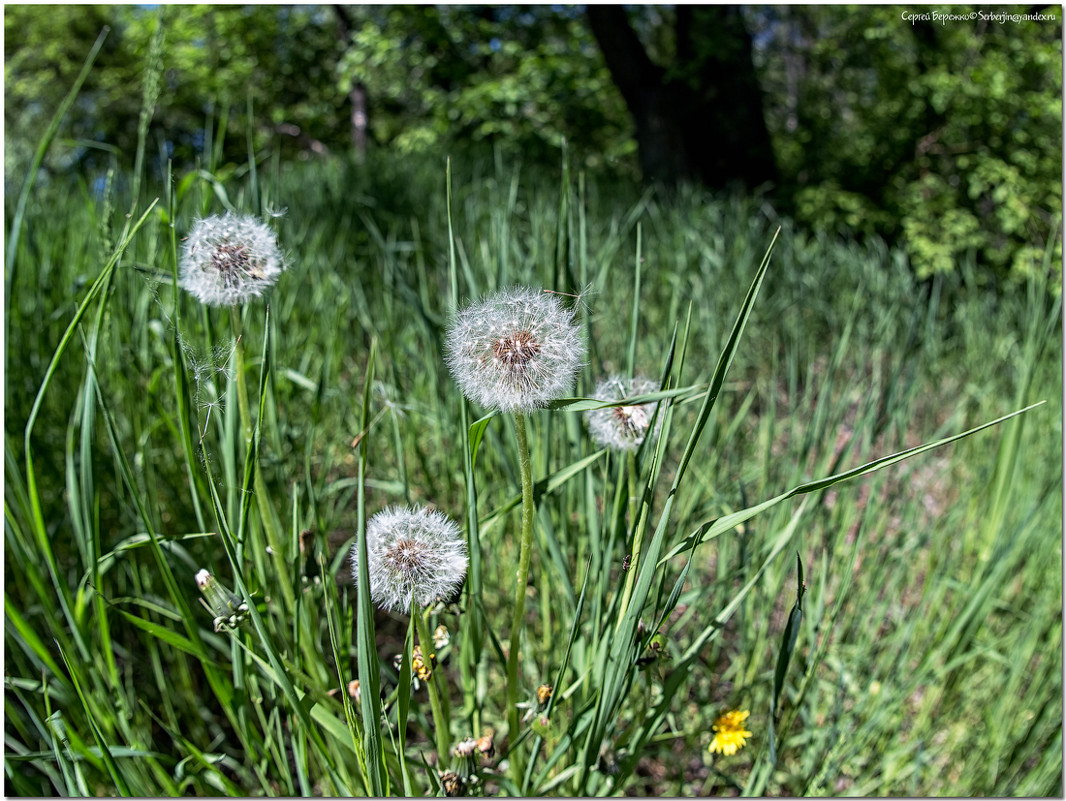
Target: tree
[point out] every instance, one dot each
(522, 78)
(702, 116)
(943, 138)
(216, 60)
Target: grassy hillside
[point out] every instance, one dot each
(149, 437)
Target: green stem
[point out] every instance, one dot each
(521, 578)
(266, 513)
(440, 721)
(638, 535)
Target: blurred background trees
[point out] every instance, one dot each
(943, 137)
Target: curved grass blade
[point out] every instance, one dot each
(618, 667)
(714, 528)
(117, 776)
(788, 645)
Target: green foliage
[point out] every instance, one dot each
(524, 78)
(923, 599)
(947, 136)
(216, 59)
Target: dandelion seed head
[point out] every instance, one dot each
(621, 427)
(229, 259)
(516, 350)
(412, 554)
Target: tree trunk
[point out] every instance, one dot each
(357, 95)
(702, 119)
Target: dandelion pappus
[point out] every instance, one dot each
(632, 419)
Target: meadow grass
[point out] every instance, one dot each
(897, 634)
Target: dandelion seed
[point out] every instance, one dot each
(515, 351)
(621, 427)
(729, 732)
(412, 554)
(208, 405)
(229, 259)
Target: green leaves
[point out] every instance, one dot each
(784, 654)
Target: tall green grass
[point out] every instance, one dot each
(922, 657)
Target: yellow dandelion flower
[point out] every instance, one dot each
(729, 732)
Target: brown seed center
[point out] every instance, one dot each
(232, 261)
(632, 419)
(406, 556)
(516, 350)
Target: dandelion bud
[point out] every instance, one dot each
(452, 783)
(485, 745)
(466, 749)
(516, 350)
(621, 427)
(227, 609)
(412, 554)
(440, 637)
(229, 259)
(422, 669)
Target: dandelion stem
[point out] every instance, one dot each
(441, 730)
(266, 514)
(521, 578)
(242, 389)
(638, 534)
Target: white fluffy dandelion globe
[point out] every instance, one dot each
(229, 259)
(621, 427)
(412, 554)
(516, 350)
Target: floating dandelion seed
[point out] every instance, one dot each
(414, 554)
(229, 259)
(516, 350)
(729, 732)
(621, 427)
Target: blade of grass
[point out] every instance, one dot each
(117, 774)
(714, 528)
(365, 641)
